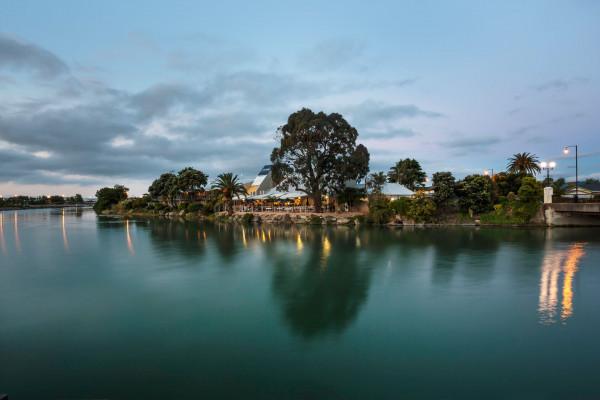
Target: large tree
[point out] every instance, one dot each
(229, 186)
(108, 197)
(407, 172)
(317, 154)
(475, 194)
(164, 188)
(444, 188)
(190, 180)
(523, 164)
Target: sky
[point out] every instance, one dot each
(100, 93)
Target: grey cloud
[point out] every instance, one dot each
(377, 111)
(331, 54)
(19, 55)
(559, 84)
(470, 143)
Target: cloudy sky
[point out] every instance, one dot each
(105, 92)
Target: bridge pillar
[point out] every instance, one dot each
(548, 192)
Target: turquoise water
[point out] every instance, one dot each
(105, 309)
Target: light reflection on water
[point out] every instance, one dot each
(554, 263)
(2, 240)
(128, 237)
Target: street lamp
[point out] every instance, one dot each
(487, 172)
(566, 151)
(547, 166)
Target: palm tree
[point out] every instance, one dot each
(523, 164)
(376, 182)
(229, 186)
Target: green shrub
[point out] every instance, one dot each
(247, 218)
(195, 207)
(421, 208)
(182, 207)
(380, 211)
(315, 220)
(400, 206)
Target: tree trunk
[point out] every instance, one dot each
(318, 202)
(229, 207)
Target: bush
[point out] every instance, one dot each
(195, 207)
(182, 207)
(380, 211)
(421, 208)
(315, 220)
(247, 218)
(400, 206)
(475, 194)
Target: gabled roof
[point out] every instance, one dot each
(396, 189)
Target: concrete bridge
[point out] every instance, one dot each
(572, 214)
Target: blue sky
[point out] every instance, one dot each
(96, 93)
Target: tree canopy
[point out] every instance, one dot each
(523, 164)
(444, 186)
(108, 197)
(317, 154)
(168, 186)
(407, 172)
(229, 186)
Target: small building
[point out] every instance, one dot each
(393, 191)
(263, 182)
(584, 191)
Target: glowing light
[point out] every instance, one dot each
(326, 246)
(2, 242)
(552, 164)
(16, 230)
(575, 254)
(566, 150)
(486, 172)
(128, 237)
(555, 263)
(299, 244)
(543, 164)
(244, 241)
(64, 231)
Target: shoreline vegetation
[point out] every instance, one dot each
(318, 166)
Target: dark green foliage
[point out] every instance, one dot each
(108, 197)
(229, 187)
(474, 194)
(350, 196)
(164, 188)
(317, 153)
(505, 183)
(380, 211)
(400, 206)
(315, 220)
(523, 164)
(376, 182)
(590, 181)
(195, 207)
(421, 208)
(247, 218)
(444, 188)
(169, 186)
(407, 172)
(558, 187)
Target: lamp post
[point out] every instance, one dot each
(547, 166)
(566, 151)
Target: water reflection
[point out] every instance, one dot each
(128, 237)
(16, 231)
(64, 232)
(2, 240)
(556, 262)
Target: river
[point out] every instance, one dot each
(98, 308)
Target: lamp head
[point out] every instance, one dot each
(543, 165)
(486, 172)
(566, 150)
(552, 164)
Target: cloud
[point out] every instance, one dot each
(20, 55)
(471, 143)
(559, 84)
(331, 54)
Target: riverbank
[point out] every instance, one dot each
(47, 206)
(326, 218)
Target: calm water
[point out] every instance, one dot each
(98, 308)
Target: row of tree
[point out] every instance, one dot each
(28, 201)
